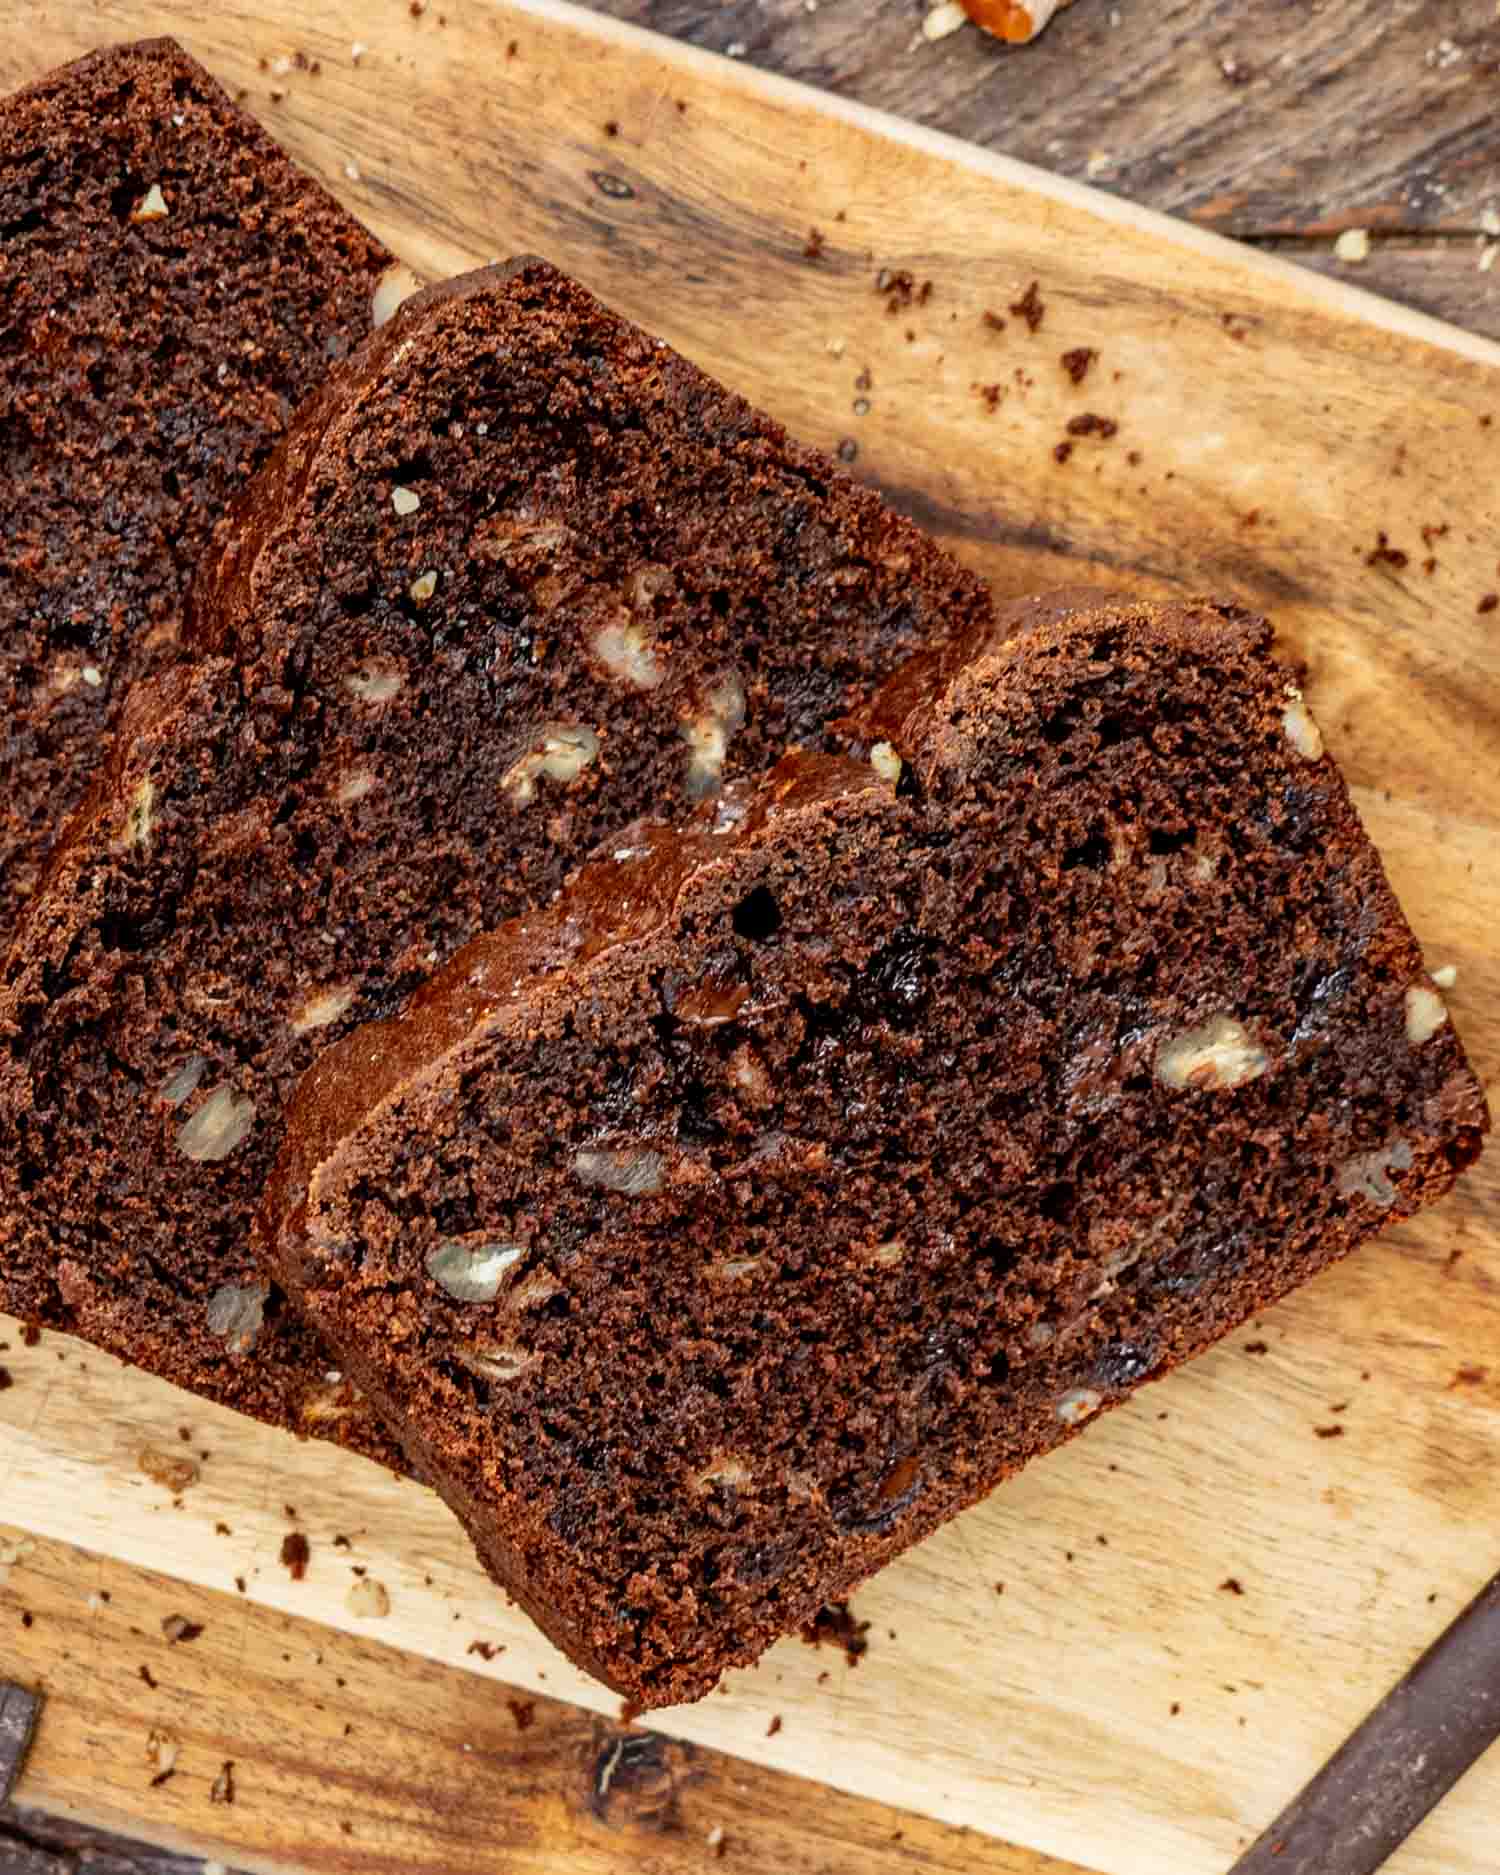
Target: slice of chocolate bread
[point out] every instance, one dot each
(171, 287)
(517, 575)
(714, 1234)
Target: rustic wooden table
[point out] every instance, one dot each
(1280, 125)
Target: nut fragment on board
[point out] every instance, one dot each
(1015, 21)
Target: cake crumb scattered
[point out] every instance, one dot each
(295, 1554)
(775, 1726)
(1469, 1375)
(1384, 554)
(1062, 451)
(7, 1379)
(1231, 1585)
(368, 1598)
(167, 1470)
(1030, 307)
(1076, 362)
(1090, 424)
(1488, 603)
(486, 1650)
(834, 1625)
(1329, 1432)
(812, 247)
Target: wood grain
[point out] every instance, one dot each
(345, 1755)
(1280, 423)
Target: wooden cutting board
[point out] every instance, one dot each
(1204, 1593)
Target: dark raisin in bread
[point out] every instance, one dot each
(716, 1233)
(518, 574)
(171, 287)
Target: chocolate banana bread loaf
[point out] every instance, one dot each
(171, 287)
(517, 575)
(715, 1233)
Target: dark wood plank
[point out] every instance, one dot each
(1252, 117)
(351, 1758)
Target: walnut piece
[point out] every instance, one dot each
(1426, 1012)
(635, 1174)
(152, 206)
(496, 1363)
(727, 1469)
(374, 685)
(236, 1313)
(324, 1006)
(405, 500)
(218, 1126)
(1077, 1405)
(395, 286)
(734, 1269)
(627, 652)
(423, 587)
(473, 1272)
(886, 762)
(355, 787)
(1365, 1175)
(1219, 1054)
(561, 752)
(708, 731)
(177, 1087)
(140, 817)
(1301, 731)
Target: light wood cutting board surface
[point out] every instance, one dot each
(1279, 437)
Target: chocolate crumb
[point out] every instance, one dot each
(31, 1333)
(1384, 554)
(7, 1379)
(991, 393)
(834, 1625)
(295, 1553)
(178, 1628)
(865, 381)
(812, 248)
(1175, 1708)
(775, 1726)
(1231, 1585)
(1329, 1432)
(1076, 362)
(486, 1650)
(993, 322)
(1088, 424)
(611, 129)
(222, 1529)
(1488, 603)
(239, 1583)
(342, 1542)
(1469, 1375)
(27, 1617)
(1257, 1347)
(148, 1676)
(999, 1588)
(1030, 308)
(1062, 451)
(523, 1711)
